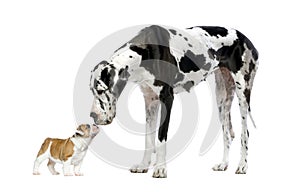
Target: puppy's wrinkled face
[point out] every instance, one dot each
(87, 131)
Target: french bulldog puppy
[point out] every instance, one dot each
(70, 151)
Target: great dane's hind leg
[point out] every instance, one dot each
(225, 88)
(243, 166)
(151, 105)
(244, 81)
(166, 97)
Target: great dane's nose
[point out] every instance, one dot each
(93, 115)
(108, 122)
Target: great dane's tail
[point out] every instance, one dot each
(252, 120)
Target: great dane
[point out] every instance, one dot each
(165, 61)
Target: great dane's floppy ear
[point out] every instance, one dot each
(98, 81)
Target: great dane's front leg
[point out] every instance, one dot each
(166, 97)
(151, 105)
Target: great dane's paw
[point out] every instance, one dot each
(242, 168)
(160, 171)
(55, 173)
(139, 168)
(78, 174)
(220, 167)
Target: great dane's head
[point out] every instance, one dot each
(106, 83)
(101, 84)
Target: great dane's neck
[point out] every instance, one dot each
(125, 61)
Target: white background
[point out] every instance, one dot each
(42, 45)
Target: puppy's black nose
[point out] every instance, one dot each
(93, 115)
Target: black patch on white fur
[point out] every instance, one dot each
(123, 73)
(173, 31)
(122, 80)
(247, 77)
(215, 31)
(107, 97)
(192, 62)
(247, 93)
(107, 76)
(211, 53)
(101, 104)
(152, 43)
(188, 85)
(166, 96)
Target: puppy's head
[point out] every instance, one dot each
(87, 131)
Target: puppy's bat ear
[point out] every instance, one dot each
(79, 130)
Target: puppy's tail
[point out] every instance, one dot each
(44, 146)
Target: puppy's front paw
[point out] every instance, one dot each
(36, 173)
(160, 171)
(68, 174)
(78, 174)
(139, 168)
